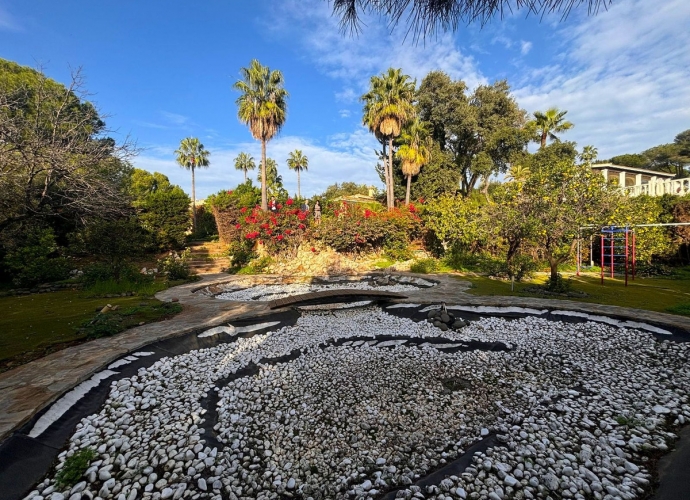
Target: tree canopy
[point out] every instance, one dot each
(56, 160)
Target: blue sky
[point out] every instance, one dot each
(163, 70)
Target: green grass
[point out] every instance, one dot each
(32, 326)
(113, 287)
(653, 294)
(74, 468)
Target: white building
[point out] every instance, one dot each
(637, 181)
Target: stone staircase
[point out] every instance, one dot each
(208, 257)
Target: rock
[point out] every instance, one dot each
(662, 410)
(166, 493)
(202, 484)
(291, 483)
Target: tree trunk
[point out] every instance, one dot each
(553, 264)
(264, 198)
(245, 175)
(385, 173)
(407, 194)
(299, 193)
(193, 202)
(543, 139)
(391, 192)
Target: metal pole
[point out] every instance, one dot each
(601, 262)
(579, 257)
(626, 255)
(634, 270)
(591, 251)
(612, 241)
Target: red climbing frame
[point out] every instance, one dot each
(619, 242)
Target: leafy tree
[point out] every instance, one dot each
(630, 160)
(298, 162)
(557, 198)
(244, 162)
(56, 162)
(162, 208)
(35, 258)
(483, 132)
(263, 108)
(439, 176)
(414, 152)
(549, 123)
(588, 155)
(668, 158)
(345, 189)
(518, 173)
(189, 155)
(388, 106)
(457, 221)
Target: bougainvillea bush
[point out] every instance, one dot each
(355, 229)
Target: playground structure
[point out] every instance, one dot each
(618, 248)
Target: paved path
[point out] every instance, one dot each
(333, 296)
(27, 389)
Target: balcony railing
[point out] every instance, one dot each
(658, 188)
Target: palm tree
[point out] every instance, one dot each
(414, 152)
(388, 107)
(518, 173)
(274, 181)
(589, 155)
(190, 155)
(549, 123)
(245, 163)
(298, 162)
(262, 107)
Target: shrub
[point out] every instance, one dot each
(558, 285)
(240, 253)
(166, 216)
(36, 259)
(176, 266)
(398, 250)
(74, 468)
(424, 266)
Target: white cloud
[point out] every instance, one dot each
(354, 60)
(624, 77)
(525, 47)
(344, 113)
(8, 22)
(348, 156)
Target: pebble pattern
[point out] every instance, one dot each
(576, 410)
(273, 292)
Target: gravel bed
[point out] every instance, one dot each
(577, 410)
(273, 292)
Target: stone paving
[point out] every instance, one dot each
(27, 389)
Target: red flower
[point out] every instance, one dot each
(252, 235)
(274, 221)
(269, 232)
(280, 237)
(313, 249)
(289, 202)
(421, 200)
(280, 205)
(302, 215)
(368, 213)
(243, 209)
(264, 225)
(229, 192)
(302, 226)
(288, 231)
(238, 226)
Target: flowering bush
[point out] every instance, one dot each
(276, 231)
(352, 228)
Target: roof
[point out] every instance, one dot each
(356, 198)
(634, 170)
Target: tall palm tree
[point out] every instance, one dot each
(589, 155)
(549, 123)
(388, 107)
(262, 107)
(298, 162)
(414, 152)
(274, 181)
(244, 162)
(190, 155)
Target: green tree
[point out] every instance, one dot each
(630, 160)
(588, 155)
(263, 108)
(345, 189)
(668, 158)
(414, 152)
(298, 162)
(162, 208)
(557, 198)
(190, 155)
(388, 106)
(549, 123)
(244, 162)
(56, 162)
(483, 132)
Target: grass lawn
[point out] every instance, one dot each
(32, 326)
(654, 294)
